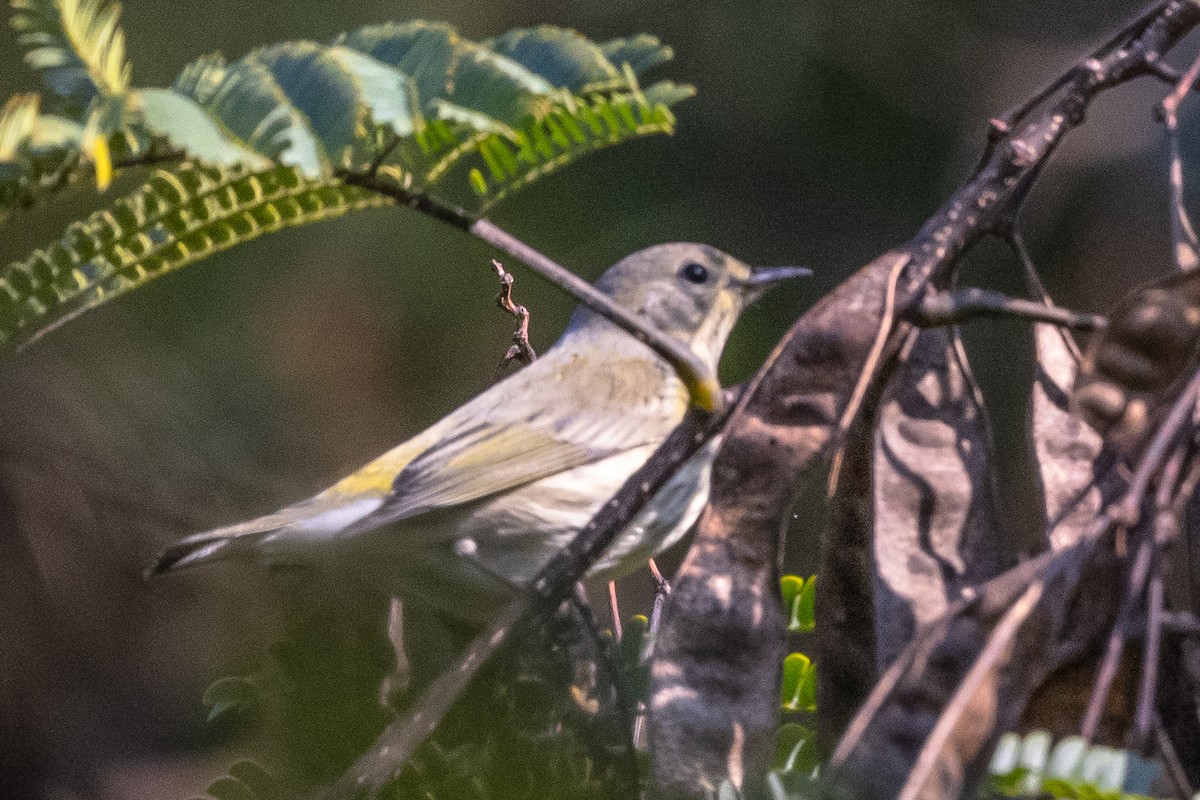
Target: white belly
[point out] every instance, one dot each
(465, 560)
(514, 535)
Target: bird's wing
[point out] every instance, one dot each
(508, 438)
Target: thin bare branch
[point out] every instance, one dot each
(1183, 234)
(960, 305)
(520, 350)
(703, 386)
(395, 746)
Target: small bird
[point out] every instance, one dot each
(476, 505)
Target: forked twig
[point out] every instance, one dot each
(520, 349)
(704, 389)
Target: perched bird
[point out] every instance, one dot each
(476, 504)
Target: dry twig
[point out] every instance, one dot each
(520, 349)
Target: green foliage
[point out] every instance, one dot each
(245, 780)
(630, 659)
(76, 44)
(38, 152)
(795, 750)
(1030, 766)
(798, 690)
(235, 693)
(799, 598)
(268, 141)
(176, 218)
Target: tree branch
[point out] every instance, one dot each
(703, 387)
(960, 305)
(712, 712)
(396, 745)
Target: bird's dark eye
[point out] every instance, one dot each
(693, 272)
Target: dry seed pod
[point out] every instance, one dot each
(1130, 367)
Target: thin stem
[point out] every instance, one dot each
(960, 305)
(1128, 511)
(1128, 515)
(520, 349)
(614, 607)
(702, 384)
(1183, 233)
(396, 745)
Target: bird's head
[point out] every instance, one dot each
(692, 292)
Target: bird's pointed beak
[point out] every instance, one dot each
(763, 278)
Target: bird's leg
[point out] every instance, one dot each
(615, 608)
(662, 588)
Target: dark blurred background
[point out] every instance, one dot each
(823, 133)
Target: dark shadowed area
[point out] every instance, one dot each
(822, 134)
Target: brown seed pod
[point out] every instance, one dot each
(1131, 368)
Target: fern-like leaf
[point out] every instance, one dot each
(37, 151)
(507, 162)
(413, 103)
(18, 119)
(177, 218)
(563, 57)
(641, 52)
(78, 45)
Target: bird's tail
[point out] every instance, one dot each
(214, 545)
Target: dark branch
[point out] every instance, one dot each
(960, 305)
(716, 719)
(151, 158)
(396, 745)
(703, 386)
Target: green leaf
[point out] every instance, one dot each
(228, 694)
(561, 56)
(244, 780)
(447, 117)
(494, 86)
(227, 788)
(248, 103)
(177, 218)
(427, 51)
(38, 152)
(478, 182)
(261, 783)
(18, 119)
(798, 690)
(799, 601)
(320, 89)
(476, 120)
(390, 95)
(77, 44)
(1066, 759)
(642, 52)
(1006, 754)
(1104, 768)
(1029, 766)
(795, 749)
(668, 93)
(185, 125)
